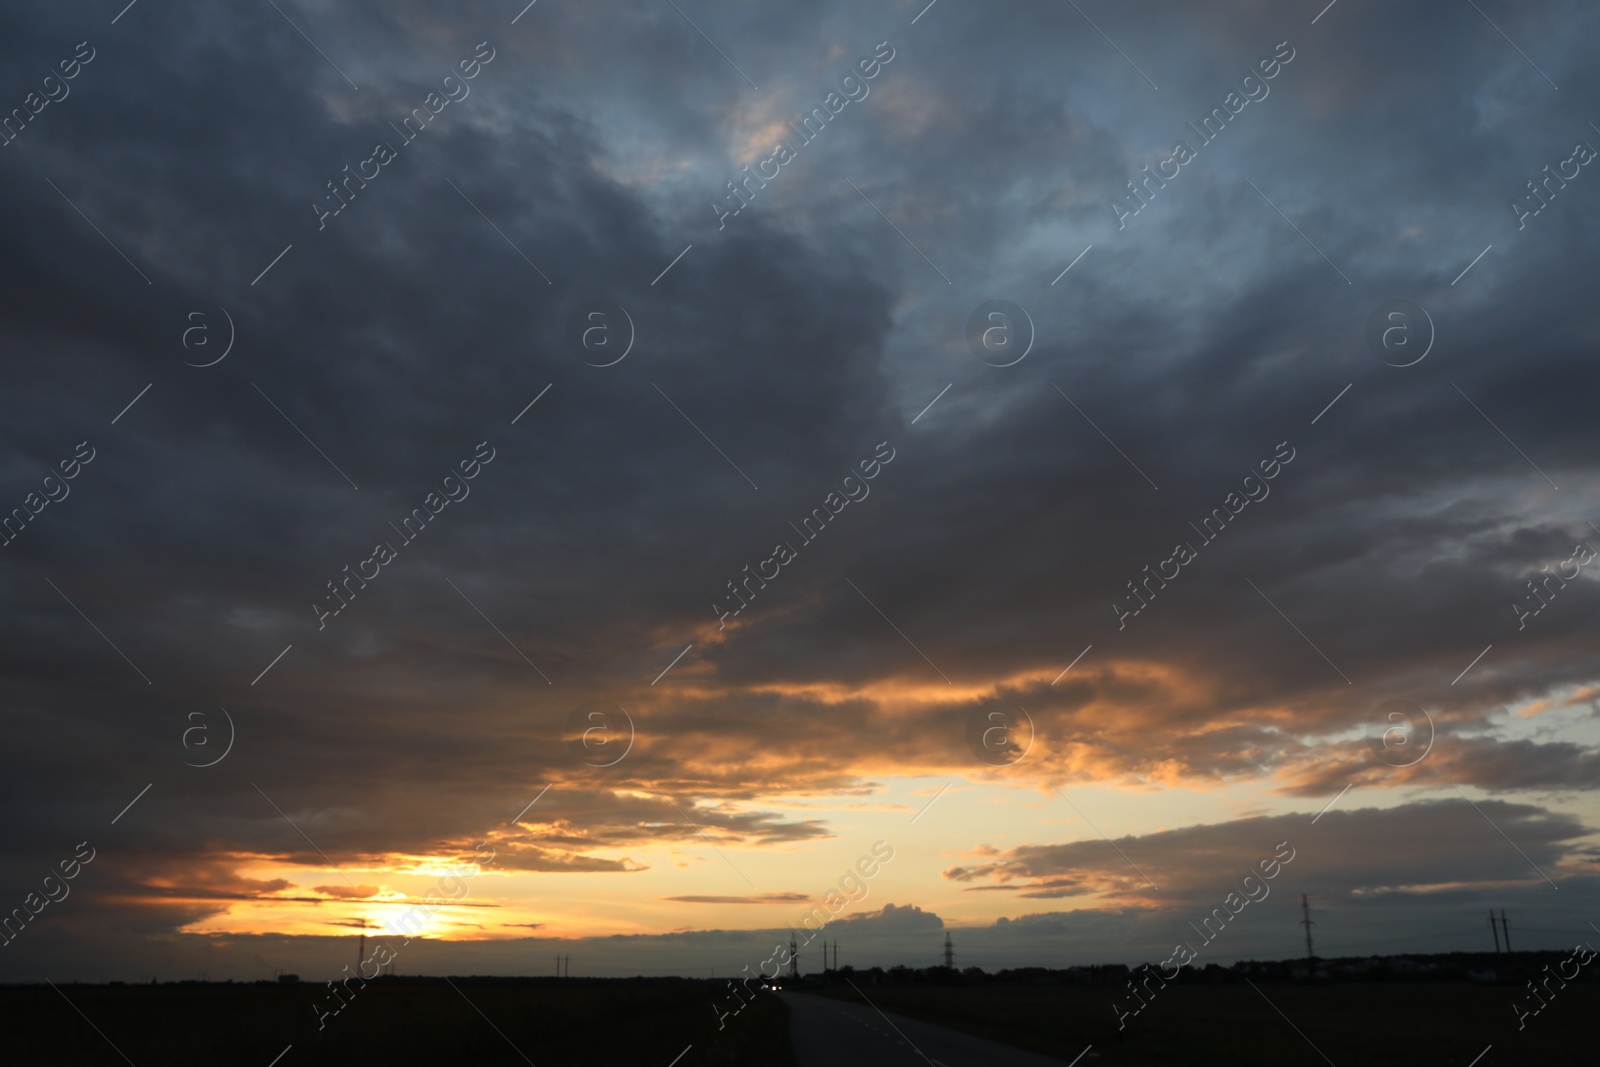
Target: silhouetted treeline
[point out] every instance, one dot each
(1513, 967)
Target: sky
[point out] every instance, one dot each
(434, 472)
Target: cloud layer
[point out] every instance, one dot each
(383, 345)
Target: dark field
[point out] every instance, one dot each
(1355, 1024)
(555, 1024)
(392, 1024)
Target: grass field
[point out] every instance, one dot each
(1353, 1025)
(393, 1024)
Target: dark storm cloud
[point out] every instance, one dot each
(408, 330)
(1498, 765)
(1411, 848)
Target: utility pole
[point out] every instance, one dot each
(1495, 930)
(949, 953)
(794, 958)
(1505, 927)
(1305, 910)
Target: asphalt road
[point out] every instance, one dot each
(834, 1033)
